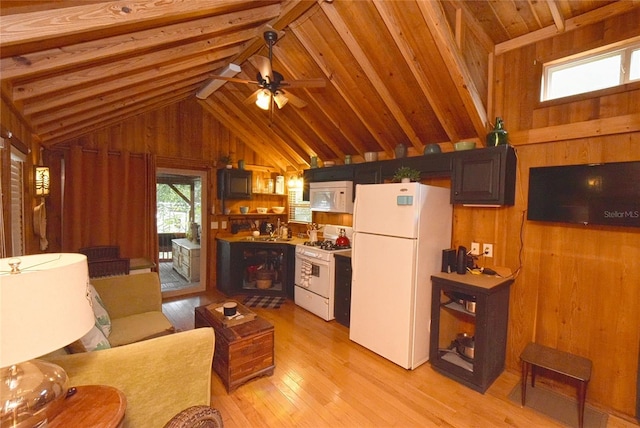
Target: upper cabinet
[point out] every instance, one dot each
(234, 184)
(484, 177)
(478, 177)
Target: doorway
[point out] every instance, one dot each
(181, 238)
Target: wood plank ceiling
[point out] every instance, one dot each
(412, 72)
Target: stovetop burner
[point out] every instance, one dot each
(325, 245)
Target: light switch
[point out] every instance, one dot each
(214, 225)
(224, 224)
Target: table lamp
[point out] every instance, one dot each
(44, 306)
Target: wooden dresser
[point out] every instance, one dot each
(186, 259)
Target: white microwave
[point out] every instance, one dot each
(331, 196)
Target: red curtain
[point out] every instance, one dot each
(110, 199)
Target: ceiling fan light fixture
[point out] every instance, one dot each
(280, 99)
(264, 99)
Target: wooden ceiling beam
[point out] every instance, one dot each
(291, 10)
(327, 116)
(372, 74)
(38, 29)
(150, 75)
(233, 117)
(558, 19)
(118, 99)
(348, 82)
(128, 67)
(442, 107)
(97, 51)
(437, 24)
(596, 15)
(82, 112)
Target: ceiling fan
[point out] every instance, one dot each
(271, 83)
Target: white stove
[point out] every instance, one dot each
(315, 272)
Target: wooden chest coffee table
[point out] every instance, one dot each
(243, 351)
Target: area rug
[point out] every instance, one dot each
(558, 406)
(267, 302)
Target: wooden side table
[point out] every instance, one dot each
(243, 351)
(92, 406)
(569, 365)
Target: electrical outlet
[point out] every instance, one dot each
(487, 250)
(475, 248)
(224, 225)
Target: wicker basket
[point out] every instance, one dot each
(263, 283)
(264, 278)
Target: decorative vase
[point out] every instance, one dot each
(498, 136)
(241, 164)
(401, 151)
(314, 161)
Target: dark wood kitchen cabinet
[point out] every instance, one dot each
(487, 325)
(484, 176)
(234, 183)
(342, 301)
(240, 265)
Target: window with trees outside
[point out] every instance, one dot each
(299, 210)
(591, 71)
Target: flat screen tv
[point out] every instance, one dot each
(603, 194)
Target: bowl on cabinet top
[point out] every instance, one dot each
(464, 145)
(277, 210)
(370, 156)
(261, 210)
(244, 210)
(433, 148)
(329, 163)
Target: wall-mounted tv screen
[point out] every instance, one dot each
(604, 194)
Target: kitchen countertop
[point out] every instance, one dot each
(481, 281)
(246, 238)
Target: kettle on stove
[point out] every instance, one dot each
(342, 240)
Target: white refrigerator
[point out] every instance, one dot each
(399, 232)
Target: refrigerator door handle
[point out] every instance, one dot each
(353, 253)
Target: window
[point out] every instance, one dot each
(18, 160)
(299, 210)
(591, 71)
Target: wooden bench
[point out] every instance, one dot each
(573, 366)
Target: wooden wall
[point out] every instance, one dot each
(578, 286)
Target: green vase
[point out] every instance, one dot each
(498, 136)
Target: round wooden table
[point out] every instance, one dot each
(92, 406)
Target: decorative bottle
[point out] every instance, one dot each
(498, 136)
(401, 151)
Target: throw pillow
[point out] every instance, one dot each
(103, 321)
(94, 340)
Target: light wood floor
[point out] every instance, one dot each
(322, 379)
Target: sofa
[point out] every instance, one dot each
(159, 377)
(134, 307)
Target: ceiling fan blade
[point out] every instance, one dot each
(234, 79)
(304, 83)
(296, 101)
(263, 65)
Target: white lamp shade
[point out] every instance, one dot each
(44, 307)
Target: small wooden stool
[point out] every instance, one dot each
(567, 364)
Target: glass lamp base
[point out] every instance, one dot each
(31, 393)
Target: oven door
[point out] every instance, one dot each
(313, 275)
